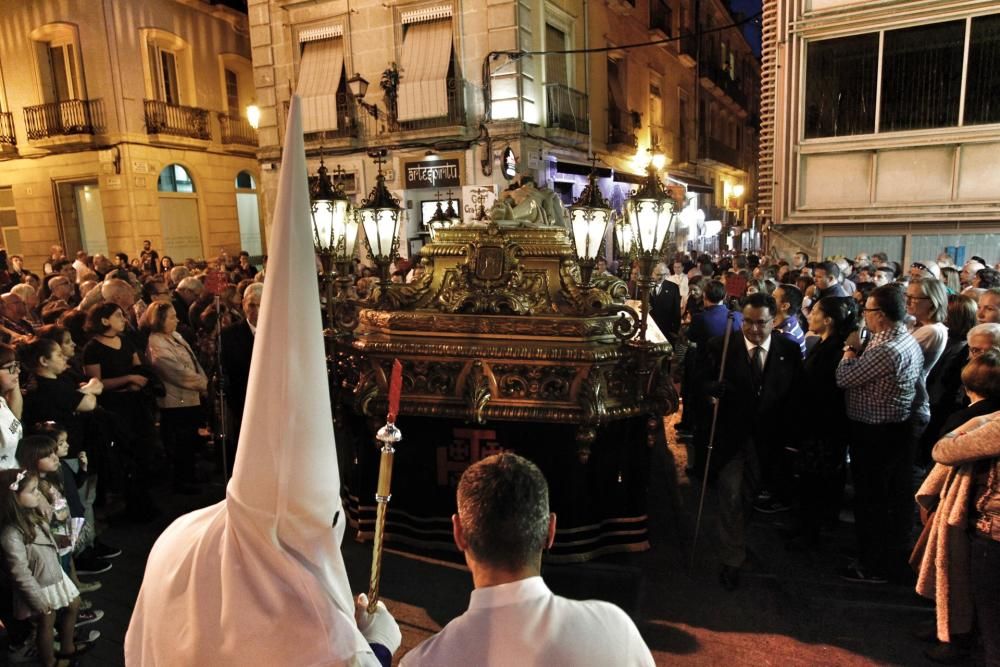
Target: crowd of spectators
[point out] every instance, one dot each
(105, 391)
(846, 385)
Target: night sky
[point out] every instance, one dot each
(752, 31)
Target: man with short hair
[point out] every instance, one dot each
(865, 274)
(711, 321)
(188, 291)
(502, 526)
(665, 303)
(761, 374)
(786, 321)
(827, 276)
(982, 338)
(14, 315)
(846, 267)
(862, 259)
(884, 275)
(237, 350)
(80, 263)
(880, 259)
(880, 384)
(967, 276)
(799, 261)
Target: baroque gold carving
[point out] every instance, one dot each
(560, 327)
(477, 392)
(492, 280)
(547, 383)
(404, 296)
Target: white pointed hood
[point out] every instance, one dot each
(259, 578)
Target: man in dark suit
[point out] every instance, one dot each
(705, 325)
(711, 321)
(665, 303)
(237, 350)
(754, 398)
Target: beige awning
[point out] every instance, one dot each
(319, 78)
(423, 86)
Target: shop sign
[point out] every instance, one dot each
(432, 174)
(508, 163)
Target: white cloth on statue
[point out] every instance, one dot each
(259, 579)
(524, 623)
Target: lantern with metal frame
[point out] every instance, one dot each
(379, 215)
(589, 218)
(335, 233)
(649, 212)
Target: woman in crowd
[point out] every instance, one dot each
(823, 446)
(110, 358)
(927, 303)
(944, 382)
(958, 555)
(175, 364)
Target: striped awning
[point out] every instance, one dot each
(319, 78)
(423, 86)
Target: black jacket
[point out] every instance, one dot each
(665, 307)
(743, 416)
(237, 348)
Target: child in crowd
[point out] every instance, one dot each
(39, 454)
(42, 590)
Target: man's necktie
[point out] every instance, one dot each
(757, 368)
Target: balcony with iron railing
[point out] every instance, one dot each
(7, 137)
(566, 108)
(621, 129)
(173, 120)
(718, 79)
(713, 150)
(237, 131)
(66, 119)
(347, 121)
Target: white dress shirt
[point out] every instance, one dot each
(765, 348)
(523, 623)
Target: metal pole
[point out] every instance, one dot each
(711, 434)
(388, 435)
(220, 388)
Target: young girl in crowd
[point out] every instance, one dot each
(43, 592)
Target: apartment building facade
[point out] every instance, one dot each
(881, 128)
(469, 96)
(126, 122)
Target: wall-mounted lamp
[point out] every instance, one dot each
(253, 115)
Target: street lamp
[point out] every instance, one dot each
(335, 232)
(358, 86)
(379, 215)
(648, 214)
(589, 217)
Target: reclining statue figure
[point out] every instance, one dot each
(529, 205)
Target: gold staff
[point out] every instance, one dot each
(388, 435)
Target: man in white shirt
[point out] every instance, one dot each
(502, 526)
